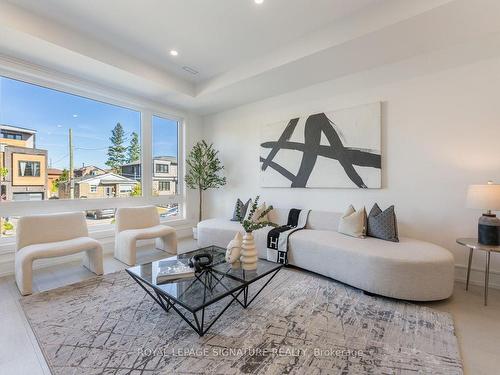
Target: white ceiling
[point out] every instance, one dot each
(243, 52)
(212, 36)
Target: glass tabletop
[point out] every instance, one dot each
(472, 243)
(206, 287)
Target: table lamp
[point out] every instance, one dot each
(486, 197)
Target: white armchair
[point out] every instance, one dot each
(141, 223)
(47, 236)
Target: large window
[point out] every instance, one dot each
(82, 147)
(59, 146)
(29, 169)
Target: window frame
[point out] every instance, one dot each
(13, 136)
(19, 169)
(31, 74)
(160, 169)
(167, 185)
(180, 188)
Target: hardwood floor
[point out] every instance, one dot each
(478, 327)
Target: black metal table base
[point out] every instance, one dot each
(245, 303)
(198, 324)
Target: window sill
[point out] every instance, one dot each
(106, 233)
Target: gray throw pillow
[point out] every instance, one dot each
(243, 208)
(383, 224)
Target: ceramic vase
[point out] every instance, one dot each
(233, 251)
(248, 256)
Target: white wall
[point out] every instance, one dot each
(440, 133)
(193, 133)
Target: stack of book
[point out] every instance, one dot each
(173, 270)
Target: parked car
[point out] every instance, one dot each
(100, 213)
(168, 211)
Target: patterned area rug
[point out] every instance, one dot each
(301, 323)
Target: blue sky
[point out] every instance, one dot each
(52, 113)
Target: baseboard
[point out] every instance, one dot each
(477, 276)
(107, 241)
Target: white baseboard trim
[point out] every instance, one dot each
(7, 254)
(477, 276)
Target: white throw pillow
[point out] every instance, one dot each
(262, 207)
(353, 223)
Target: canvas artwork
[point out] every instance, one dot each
(337, 149)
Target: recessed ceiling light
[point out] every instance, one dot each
(173, 52)
(258, 1)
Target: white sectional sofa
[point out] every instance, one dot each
(409, 269)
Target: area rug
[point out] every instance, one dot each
(301, 323)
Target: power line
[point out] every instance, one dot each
(90, 149)
(58, 160)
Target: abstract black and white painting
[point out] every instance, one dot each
(339, 149)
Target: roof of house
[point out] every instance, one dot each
(105, 179)
(172, 159)
(88, 167)
(54, 171)
(17, 128)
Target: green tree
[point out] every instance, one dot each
(62, 178)
(3, 173)
(136, 190)
(117, 151)
(134, 149)
(203, 170)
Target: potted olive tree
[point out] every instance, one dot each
(203, 172)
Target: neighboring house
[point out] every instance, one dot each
(52, 175)
(88, 170)
(164, 174)
(27, 166)
(106, 185)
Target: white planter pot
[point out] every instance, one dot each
(195, 233)
(248, 256)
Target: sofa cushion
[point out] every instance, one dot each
(220, 232)
(353, 223)
(278, 215)
(409, 269)
(259, 211)
(323, 220)
(383, 224)
(243, 209)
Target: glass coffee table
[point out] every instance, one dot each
(191, 296)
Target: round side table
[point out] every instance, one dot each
(472, 244)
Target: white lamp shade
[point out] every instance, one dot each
(484, 197)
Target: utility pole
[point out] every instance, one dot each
(70, 174)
